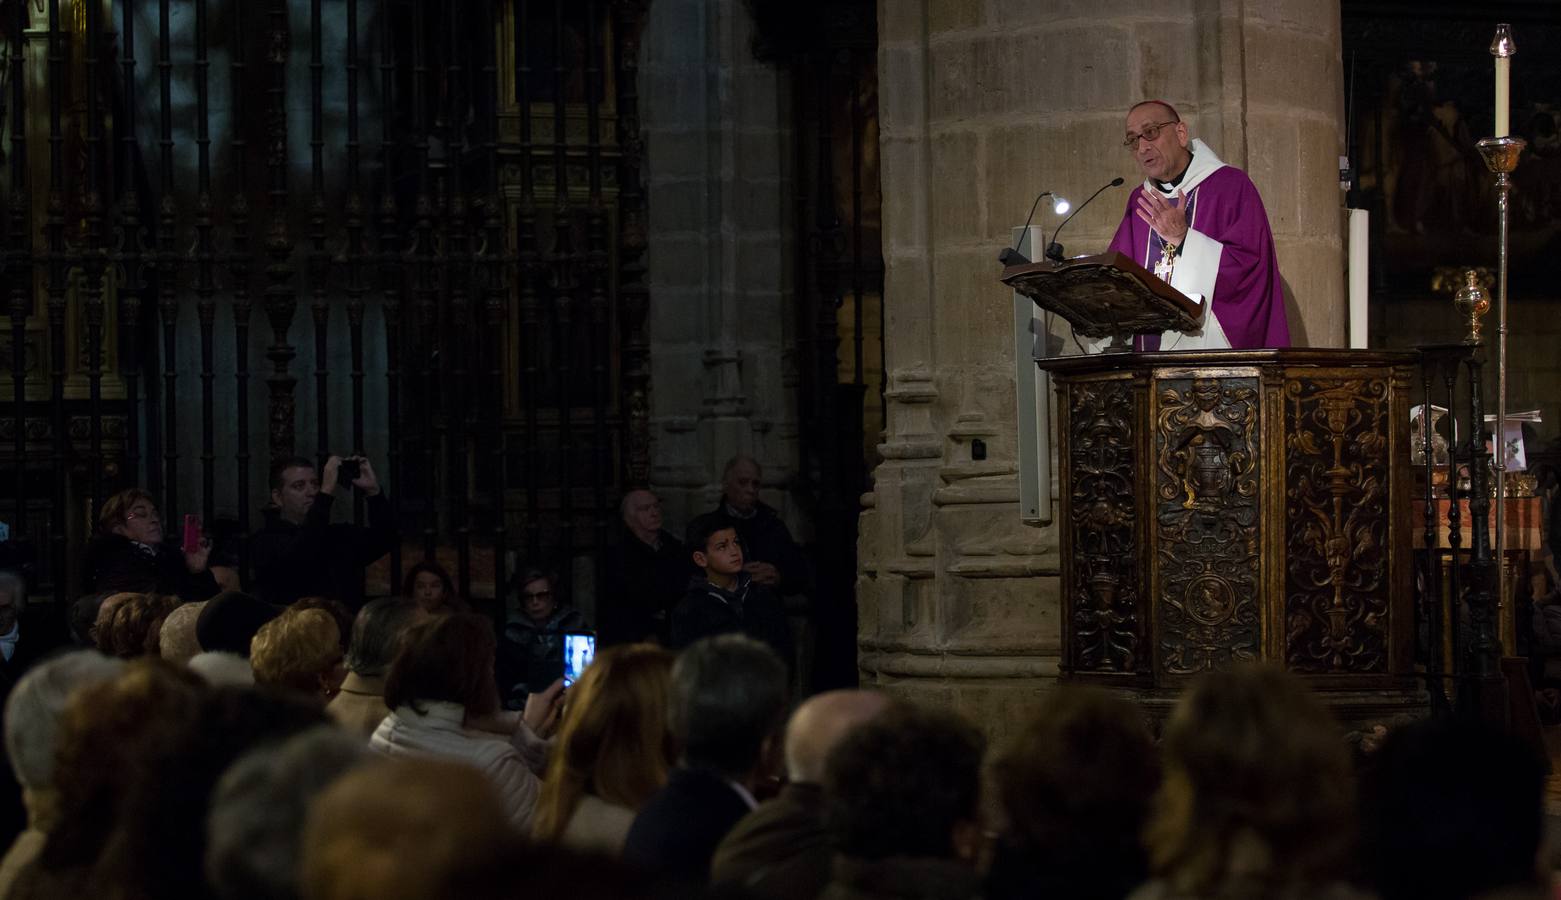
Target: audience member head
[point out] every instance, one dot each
(714, 546)
(158, 847)
(230, 620)
(36, 705)
(107, 730)
(727, 703)
(537, 591)
(406, 829)
(84, 618)
(177, 642)
(613, 742)
(641, 513)
(429, 584)
(445, 659)
(1075, 787)
(254, 832)
(220, 668)
(13, 599)
(907, 783)
(132, 513)
(137, 625)
(334, 609)
(1451, 810)
(1258, 786)
(740, 484)
(294, 485)
(377, 633)
(818, 726)
(103, 622)
(300, 650)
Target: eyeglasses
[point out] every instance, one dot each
(1149, 133)
(538, 595)
(140, 512)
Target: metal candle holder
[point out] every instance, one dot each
(1501, 156)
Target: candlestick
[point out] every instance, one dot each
(1503, 48)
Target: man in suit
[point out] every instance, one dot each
(780, 850)
(728, 701)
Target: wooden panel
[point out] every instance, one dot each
(1337, 519)
(1207, 523)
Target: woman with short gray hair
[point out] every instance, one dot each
(32, 716)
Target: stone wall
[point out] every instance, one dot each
(984, 104)
(717, 136)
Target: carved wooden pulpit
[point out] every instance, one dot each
(1224, 505)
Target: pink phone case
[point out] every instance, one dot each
(192, 532)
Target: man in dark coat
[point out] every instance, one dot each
(301, 553)
(727, 703)
(771, 557)
(781, 851)
(647, 572)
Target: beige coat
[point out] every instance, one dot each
(597, 826)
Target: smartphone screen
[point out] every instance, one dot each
(192, 532)
(579, 650)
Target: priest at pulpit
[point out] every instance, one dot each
(1199, 225)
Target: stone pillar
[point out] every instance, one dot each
(717, 127)
(983, 105)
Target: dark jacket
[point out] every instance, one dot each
(678, 828)
(319, 558)
(531, 656)
(765, 538)
(1080, 869)
(751, 609)
(116, 563)
(902, 878)
(643, 585)
(780, 850)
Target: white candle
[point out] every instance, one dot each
(1360, 230)
(1503, 94)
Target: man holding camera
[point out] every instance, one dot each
(300, 553)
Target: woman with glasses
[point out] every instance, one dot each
(128, 553)
(531, 652)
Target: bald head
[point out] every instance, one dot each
(1164, 111)
(819, 724)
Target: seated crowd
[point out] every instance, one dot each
(219, 744)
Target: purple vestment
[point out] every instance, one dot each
(1248, 297)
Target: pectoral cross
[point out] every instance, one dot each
(1162, 269)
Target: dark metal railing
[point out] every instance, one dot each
(506, 264)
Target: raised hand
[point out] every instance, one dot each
(1168, 221)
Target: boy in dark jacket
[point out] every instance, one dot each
(723, 598)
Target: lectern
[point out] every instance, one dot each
(1219, 506)
(1106, 296)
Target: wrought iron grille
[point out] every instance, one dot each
(449, 193)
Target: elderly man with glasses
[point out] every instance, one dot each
(1200, 225)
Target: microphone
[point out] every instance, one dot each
(1054, 249)
(1011, 255)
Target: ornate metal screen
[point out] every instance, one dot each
(435, 209)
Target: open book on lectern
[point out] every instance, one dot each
(1106, 296)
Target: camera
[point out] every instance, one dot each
(348, 471)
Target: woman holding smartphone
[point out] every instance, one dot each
(612, 751)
